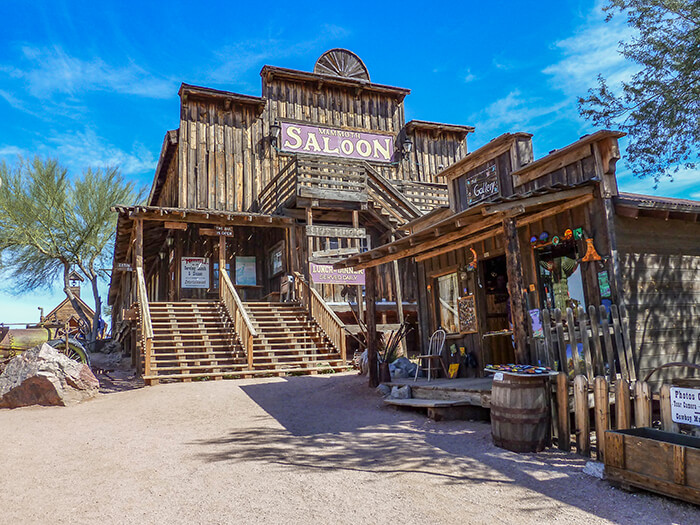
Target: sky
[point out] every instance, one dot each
(95, 84)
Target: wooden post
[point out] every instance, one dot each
(583, 425)
(665, 403)
(564, 424)
(514, 268)
(602, 413)
(642, 404)
(358, 288)
(222, 264)
(370, 288)
(623, 406)
(399, 297)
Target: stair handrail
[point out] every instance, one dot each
(241, 320)
(146, 325)
(326, 318)
(407, 211)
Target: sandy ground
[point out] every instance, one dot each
(316, 449)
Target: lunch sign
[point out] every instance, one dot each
(334, 142)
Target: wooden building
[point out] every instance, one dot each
(322, 165)
(522, 239)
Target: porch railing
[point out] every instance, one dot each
(423, 195)
(383, 192)
(145, 324)
(241, 321)
(326, 318)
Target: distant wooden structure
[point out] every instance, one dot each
(523, 238)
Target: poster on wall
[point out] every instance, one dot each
(276, 258)
(604, 284)
(245, 271)
(194, 272)
(536, 323)
(467, 315)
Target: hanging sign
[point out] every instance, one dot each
(224, 231)
(467, 315)
(326, 274)
(317, 140)
(194, 272)
(685, 405)
(482, 185)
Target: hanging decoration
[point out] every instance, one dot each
(555, 240)
(578, 234)
(568, 234)
(472, 264)
(591, 253)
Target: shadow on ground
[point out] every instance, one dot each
(332, 423)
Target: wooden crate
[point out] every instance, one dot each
(654, 460)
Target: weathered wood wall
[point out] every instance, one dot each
(432, 151)
(660, 267)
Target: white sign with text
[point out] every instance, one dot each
(195, 272)
(685, 405)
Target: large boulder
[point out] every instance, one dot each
(402, 368)
(43, 376)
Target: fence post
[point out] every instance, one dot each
(642, 404)
(563, 423)
(602, 413)
(665, 402)
(623, 405)
(583, 425)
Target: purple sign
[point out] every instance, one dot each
(326, 274)
(300, 138)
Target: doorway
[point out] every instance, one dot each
(498, 334)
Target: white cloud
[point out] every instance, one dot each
(80, 150)
(11, 151)
(469, 76)
(684, 184)
(48, 72)
(593, 50)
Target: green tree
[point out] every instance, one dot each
(51, 225)
(659, 107)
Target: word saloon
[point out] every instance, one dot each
(299, 138)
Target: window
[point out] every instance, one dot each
(561, 284)
(448, 299)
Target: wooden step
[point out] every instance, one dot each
(242, 373)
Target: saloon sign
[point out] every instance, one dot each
(300, 138)
(482, 185)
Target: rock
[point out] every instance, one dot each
(364, 363)
(383, 390)
(402, 368)
(401, 392)
(595, 469)
(43, 376)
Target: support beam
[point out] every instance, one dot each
(222, 262)
(399, 298)
(514, 267)
(358, 288)
(371, 290)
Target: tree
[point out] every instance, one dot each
(51, 225)
(659, 107)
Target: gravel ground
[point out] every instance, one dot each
(314, 449)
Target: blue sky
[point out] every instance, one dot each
(95, 84)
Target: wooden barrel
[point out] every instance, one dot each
(520, 413)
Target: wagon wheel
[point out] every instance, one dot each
(341, 63)
(74, 350)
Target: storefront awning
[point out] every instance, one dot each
(474, 225)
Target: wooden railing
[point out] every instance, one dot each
(145, 324)
(326, 318)
(423, 195)
(241, 321)
(315, 177)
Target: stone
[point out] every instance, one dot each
(402, 368)
(44, 376)
(401, 392)
(383, 390)
(595, 469)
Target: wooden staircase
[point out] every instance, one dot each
(290, 341)
(197, 340)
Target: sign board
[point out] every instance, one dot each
(685, 405)
(467, 315)
(335, 142)
(225, 231)
(336, 231)
(194, 272)
(246, 274)
(326, 274)
(482, 185)
(536, 323)
(276, 257)
(123, 266)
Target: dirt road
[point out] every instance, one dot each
(318, 449)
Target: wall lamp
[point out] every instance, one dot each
(275, 130)
(406, 147)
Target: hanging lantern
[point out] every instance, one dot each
(591, 254)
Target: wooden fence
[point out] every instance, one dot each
(602, 405)
(592, 343)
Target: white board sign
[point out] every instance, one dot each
(194, 272)
(685, 405)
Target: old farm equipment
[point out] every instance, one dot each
(62, 337)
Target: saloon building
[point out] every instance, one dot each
(278, 225)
